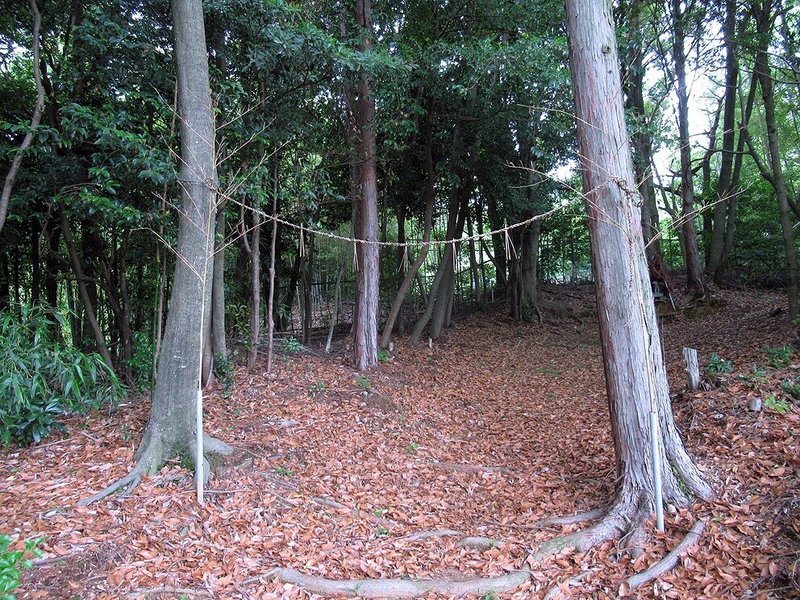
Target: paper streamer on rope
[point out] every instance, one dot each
(355, 256)
(406, 265)
(302, 242)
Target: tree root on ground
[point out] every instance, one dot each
(556, 592)
(468, 468)
(383, 522)
(127, 483)
(435, 533)
(591, 515)
(667, 563)
(398, 588)
(151, 457)
(168, 589)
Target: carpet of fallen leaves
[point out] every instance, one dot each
(495, 427)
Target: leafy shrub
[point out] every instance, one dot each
(717, 365)
(223, 370)
(384, 356)
(12, 563)
(363, 382)
(41, 378)
(791, 388)
(778, 358)
(779, 405)
(291, 345)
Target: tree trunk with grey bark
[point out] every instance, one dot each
(636, 381)
(171, 429)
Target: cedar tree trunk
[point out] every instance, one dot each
(635, 374)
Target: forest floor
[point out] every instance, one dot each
(494, 428)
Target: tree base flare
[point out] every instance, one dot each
(151, 456)
(399, 588)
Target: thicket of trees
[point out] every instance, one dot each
(139, 199)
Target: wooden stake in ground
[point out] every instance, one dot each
(692, 368)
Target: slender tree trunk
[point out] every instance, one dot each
(52, 262)
(694, 272)
(36, 260)
(365, 347)
(218, 342)
(11, 175)
(733, 188)
(254, 250)
(633, 84)
(764, 20)
(88, 307)
(636, 381)
(307, 279)
(273, 249)
(725, 182)
(413, 271)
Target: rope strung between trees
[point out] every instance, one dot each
(305, 229)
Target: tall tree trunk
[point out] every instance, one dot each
(633, 84)
(52, 262)
(725, 182)
(365, 347)
(36, 260)
(254, 249)
(694, 272)
(733, 188)
(764, 20)
(636, 380)
(218, 342)
(273, 251)
(171, 428)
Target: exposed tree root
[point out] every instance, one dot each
(399, 588)
(468, 468)
(557, 591)
(150, 458)
(436, 533)
(128, 483)
(480, 543)
(667, 563)
(168, 589)
(355, 512)
(591, 515)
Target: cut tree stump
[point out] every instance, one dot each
(692, 368)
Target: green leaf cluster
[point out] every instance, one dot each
(13, 562)
(41, 378)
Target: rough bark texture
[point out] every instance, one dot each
(365, 348)
(635, 375)
(171, 428)
(694, 272)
